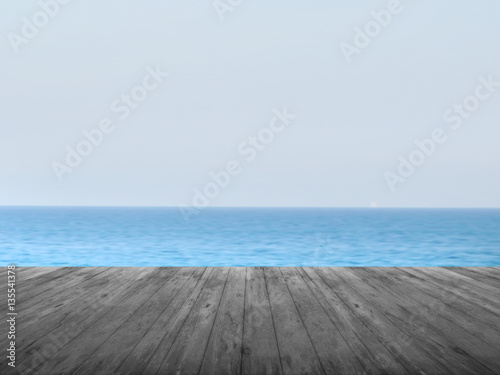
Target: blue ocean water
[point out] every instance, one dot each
(56, 236)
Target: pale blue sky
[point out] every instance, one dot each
(353, 119)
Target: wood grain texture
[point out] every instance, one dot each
(324, 320)
(402, 345)
(367, 347)
(260, 354)
(429, 321)
(123, 340)
(188, 348)
(298, 355)
(333, 351)
(156, 339)
(223, 353)
(455, 283)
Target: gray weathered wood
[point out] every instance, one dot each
(424, 322)
(61, 313)
(457, 284)
(260, 348)
(186, 353)
(401, 343)
(156, 339)
(223, 354)
(156, 360)
(366, 345)
(477, 274)
(297, 352)
(151, 320)
(92, 337)
(123, 340)
(333, 351)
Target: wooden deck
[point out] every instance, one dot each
(255, 321)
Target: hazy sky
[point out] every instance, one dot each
(353, 119)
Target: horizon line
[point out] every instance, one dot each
(258, 207)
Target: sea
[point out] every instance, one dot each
(287, 237)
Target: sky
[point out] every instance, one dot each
(256, 103)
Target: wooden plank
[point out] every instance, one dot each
(298, 355)
(29, 273)
(28, 285)
(474, 285)
(477, 275)
(33, 269)
(60, 307)
(60, 296)
(170, 334)
(332, 349)
(454, 313)
(451, 282)
(400, 343)
(130, 320)
(223, 354)
(107, 358)
(260, 348)
(42, 277)
(39, 294)
(83, 345)
(68, 321)
(490, 272)
(20, 282)
(473, 311)
(24, 268)
(62, 313)
(437, 335)
(366, 345)
(153, 341)
(187, 352)
(494, 271)
(453, 292)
